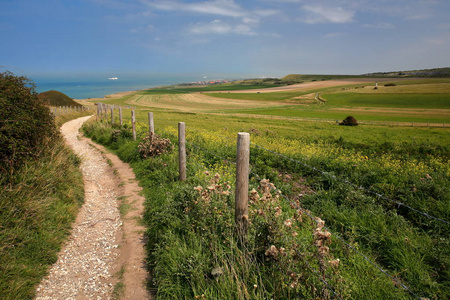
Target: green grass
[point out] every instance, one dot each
(312, 77)
(392, 161)
(298, 129)
(406, 164)
(275, 96)
(430, 101)
(37, 210)
(37, 206)
(61, 119)
(330, 114)
(220, 87)
(55, 98)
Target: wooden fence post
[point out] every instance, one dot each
(112, 115)
(182, 150)
(242, 172)
(133, 123)
(151, 125)
(120, 117)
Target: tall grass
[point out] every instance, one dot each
(36, 210)
(195, 253)
(63, 118)
(38, 203)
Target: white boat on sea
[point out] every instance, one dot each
(113, 78)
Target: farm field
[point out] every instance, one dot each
(422, 101)
(382, 191)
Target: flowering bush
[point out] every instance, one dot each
(283, 235)
(152, 145)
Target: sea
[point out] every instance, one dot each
(98, 86)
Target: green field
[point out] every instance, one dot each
(179, 89)
(422, 101)
(438, 101)
(190, 224)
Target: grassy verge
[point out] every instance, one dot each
(36, 210)
(195, 253)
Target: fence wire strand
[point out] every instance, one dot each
(259, 178)
(308, 213)
(353, 185)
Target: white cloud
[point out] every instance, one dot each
(419, 17)
(216, 27)
(380, 26)
(226, 8)
(333, 35)
(243, 29)
(266, 12)
(325, 14)
(220, 27)
(249, 20)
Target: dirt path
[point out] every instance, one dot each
(104, 254)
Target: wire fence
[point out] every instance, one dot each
(344, 242)
(353, 185)
(227, 159)
(343, 180)
(62, 110)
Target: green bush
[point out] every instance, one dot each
(349, 121)
(26, 125)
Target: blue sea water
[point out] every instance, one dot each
(98, 86)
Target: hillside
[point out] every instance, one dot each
(300, 78)
(55, 98)
(437, 72)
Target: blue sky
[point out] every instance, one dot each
(260, 37)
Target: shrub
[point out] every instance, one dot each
(349, 121)
(153, 145)
(26, 125)
(390, 84)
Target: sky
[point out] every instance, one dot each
(258, 37)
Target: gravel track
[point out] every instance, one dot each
(101, 242)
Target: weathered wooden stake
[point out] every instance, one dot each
(182, 150)
(120, 116)
(151, 125)
(242, 172)
(112, 115)
(133, 123)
